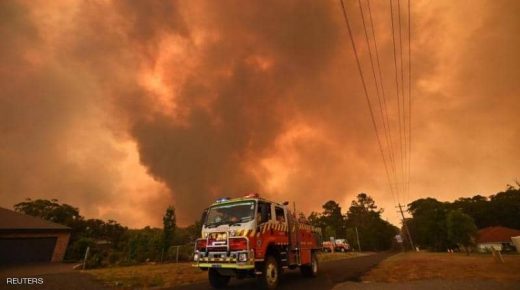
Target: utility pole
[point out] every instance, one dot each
(406, 227)
(86, 257)
(357, 236)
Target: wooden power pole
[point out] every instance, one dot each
(358, 243)
(406, 227)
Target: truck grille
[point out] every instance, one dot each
(217, 249)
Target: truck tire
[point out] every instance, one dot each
(216, 280)
(312, 269)
(270, 274)
(342, 250)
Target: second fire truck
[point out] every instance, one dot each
(254, 237)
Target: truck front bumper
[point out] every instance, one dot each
(224, 260)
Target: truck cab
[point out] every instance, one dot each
(254, 237)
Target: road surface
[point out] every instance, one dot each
(331, 273)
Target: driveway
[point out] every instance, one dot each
(56, 276)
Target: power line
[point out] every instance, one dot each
(384, 121)
(385, 109)
(365, 90)
(401, 177)
(409, 101)
(403, 101)
(398, 98)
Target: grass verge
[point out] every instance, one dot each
(170, 275)
(324, 257)
(146, 276)
(421, 266)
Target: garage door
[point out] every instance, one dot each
(26, 250)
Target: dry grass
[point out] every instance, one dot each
(145, 276)
(420, 266)
(170, 275)
(323, 257)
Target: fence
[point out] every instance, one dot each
(178, 253)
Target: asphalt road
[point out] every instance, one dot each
(331, 273)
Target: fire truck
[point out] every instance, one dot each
(254, 237)
(339, 245)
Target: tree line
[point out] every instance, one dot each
(362, 222)
(439, 226)
(111, 243)
(434, 225)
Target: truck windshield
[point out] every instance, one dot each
(232, 213)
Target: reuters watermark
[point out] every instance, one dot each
(24, 281)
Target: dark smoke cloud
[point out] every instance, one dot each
(222, 143)
(122, 107)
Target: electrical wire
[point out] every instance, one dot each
(365, 91)
(401, 164)
(409, 97)
(384, 120)
(405, 137)
(385, 108)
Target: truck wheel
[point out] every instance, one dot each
(312, 269)
(216, 280)
(342, 250)
(270, 274)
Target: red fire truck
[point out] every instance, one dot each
(254, 237)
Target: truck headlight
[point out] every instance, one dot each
(242, 257)
(196, 257)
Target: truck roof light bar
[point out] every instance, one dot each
(222, 199)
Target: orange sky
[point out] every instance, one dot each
(123, 107)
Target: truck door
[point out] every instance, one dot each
(263, 213)
(293, 239)
(281, 233)
(263, 216)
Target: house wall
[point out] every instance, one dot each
(61, 247)
(484, 247)
(516, 242)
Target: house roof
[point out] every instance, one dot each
(11, 220)
(496, 235)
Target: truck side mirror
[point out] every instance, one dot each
(204, 216)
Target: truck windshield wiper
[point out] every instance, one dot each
(235, 224)
(214, 225)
